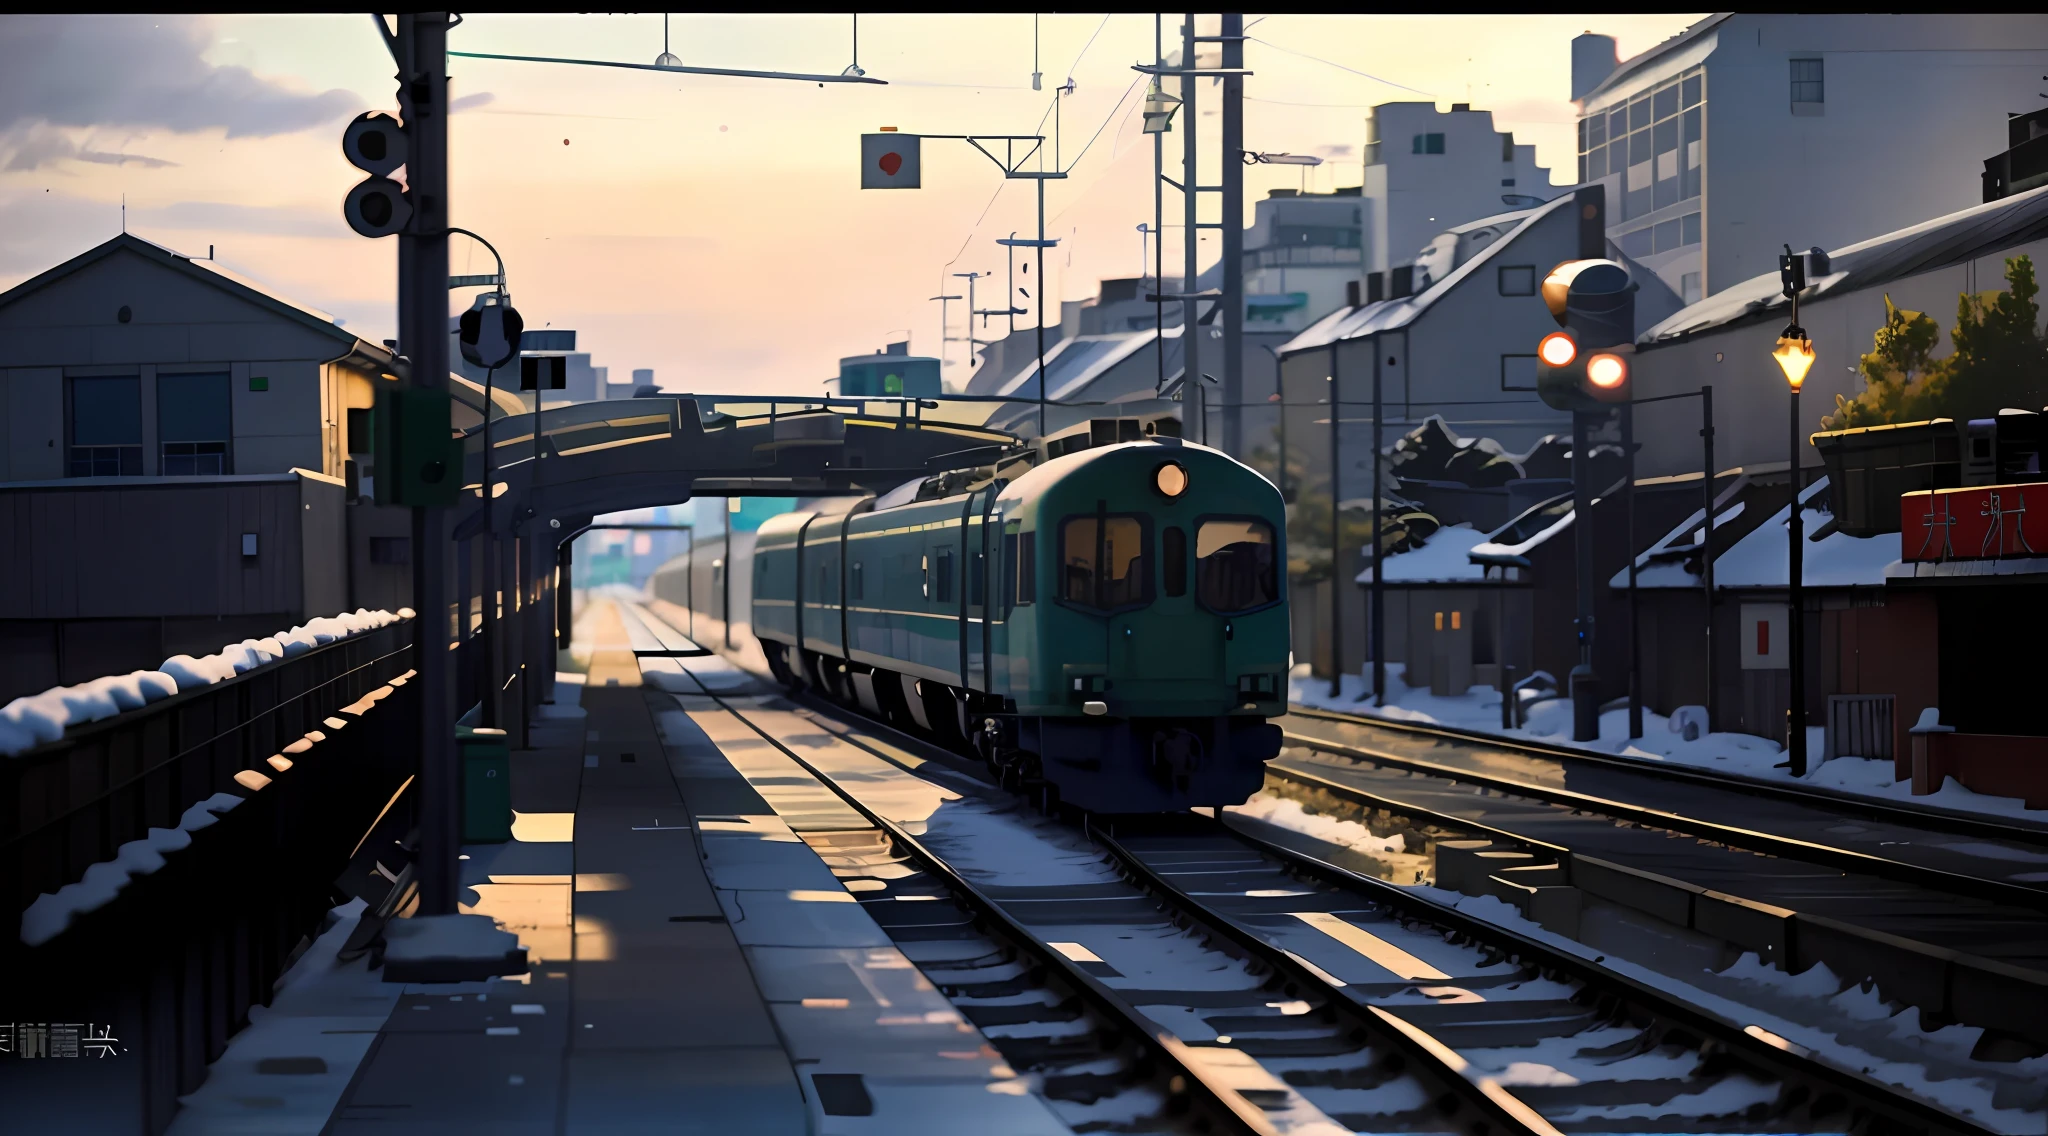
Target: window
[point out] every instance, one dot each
(1689, 287)
(1638, 244)
(858, 585)
(1102, 562)
(1027, 567)
(360, 430)
(1518, 372)
(1236, 565)
(977, 579)
(1691, 235)
(1507, 149)
(192, 425)
(1666, 235)
(1652, 143)
(1518, 280)
(390, 550)
(106, 427)
(942, 586)
(1173, 560)
(1429, 144)
(1808, 83)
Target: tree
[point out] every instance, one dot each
(2000, 360)
(1896, 373)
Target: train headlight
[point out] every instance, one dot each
(1171, 479)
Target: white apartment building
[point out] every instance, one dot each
(1747, 133)
(1427, 170)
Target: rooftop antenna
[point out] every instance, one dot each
(124, 213)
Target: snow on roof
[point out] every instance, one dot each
(1522, 548)
(1079, 361)
(1980, 230)
(1443, 558)
(1837, 560)
(1663, 564)
(1391, 315)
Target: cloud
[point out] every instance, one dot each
(134, 73)
(471, 102)
(31, 145)
(226, 217)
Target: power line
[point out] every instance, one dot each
(1338, 66)
(1105, 122)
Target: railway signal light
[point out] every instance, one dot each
(891, 160)
(1587, 365)
(376, 144)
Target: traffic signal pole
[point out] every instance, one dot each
(1232, 281)
(1585, 685)
(422, 53)
(1191, 372)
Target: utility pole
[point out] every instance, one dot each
(1336, 536)
(422, 53)
(1158, 214)
(1190, 352)
(1378, 612)
(945, 333)
(1233, 235)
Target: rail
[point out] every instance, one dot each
(1846, 859)
(1922, 816)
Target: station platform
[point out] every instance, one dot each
(695, 967)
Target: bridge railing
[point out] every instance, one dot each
(72, 803)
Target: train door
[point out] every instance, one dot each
(1184, 641)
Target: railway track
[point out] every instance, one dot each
(1339, 1002)
(1951, 893)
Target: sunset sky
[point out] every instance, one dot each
(709, 228)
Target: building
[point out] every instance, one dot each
(583, 382)
(184, 462)
(1427, 170)
(1726, 340)
(1749, 132)
(892, 372)
(1454, 338)
(1303, 257)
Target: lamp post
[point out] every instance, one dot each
(1794, 354)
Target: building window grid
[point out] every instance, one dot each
(1654, 143)
(1809, 81)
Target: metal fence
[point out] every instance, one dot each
(1859, 725)
(72, 803)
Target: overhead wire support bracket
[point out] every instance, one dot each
(1011, 163)
(1184, 189)
(677, 68)
(1163, 72)
(1026, 242)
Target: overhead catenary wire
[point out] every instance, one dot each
(1339, 66)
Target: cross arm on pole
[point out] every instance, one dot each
(1169, 72)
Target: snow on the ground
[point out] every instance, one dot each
(52, 912)
(1550, 722)
(1346, 833)
(322, 1019)
(1846, 1024)
(38, 719)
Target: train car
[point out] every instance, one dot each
(1106, 626)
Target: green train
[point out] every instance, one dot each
(1106, 626)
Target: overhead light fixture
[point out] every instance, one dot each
(1158, 110)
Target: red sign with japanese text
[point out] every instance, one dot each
(1979, 522)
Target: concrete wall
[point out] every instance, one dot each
(110, 575)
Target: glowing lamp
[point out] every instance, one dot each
(1557, 349)
(1794, 354)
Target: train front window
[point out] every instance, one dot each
(1236, 565)
(1102, 562)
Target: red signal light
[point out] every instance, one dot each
(1557, 349)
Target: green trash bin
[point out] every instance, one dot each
(486, 785)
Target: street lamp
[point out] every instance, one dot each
(1794, 353)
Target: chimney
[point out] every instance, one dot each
(1593, 60)
(1401, 282)
(1375, 287)
(899, 348)
(1351, 294)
